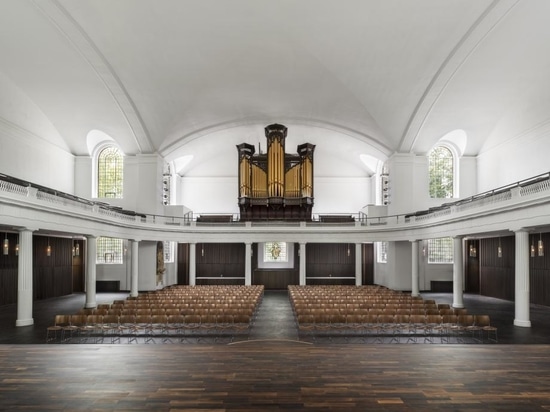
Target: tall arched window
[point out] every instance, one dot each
(110, 168)
(441, 172)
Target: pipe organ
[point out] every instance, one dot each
(275, 185)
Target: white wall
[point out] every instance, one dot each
(428, 272)
(147, 265)
(341, 194)
(32, 148)
(210, 194)
(520, 158)
(220, 194)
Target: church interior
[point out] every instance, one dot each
(310, 205)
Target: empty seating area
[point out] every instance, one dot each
(376, 314)
(176, 314)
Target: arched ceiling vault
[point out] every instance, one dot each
(361, 77)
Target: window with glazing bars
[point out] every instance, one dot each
(382, 255)
(441, 171)
(440, 250)
(109, 250)
(110, 173)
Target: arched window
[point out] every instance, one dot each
(441, 172)
(110, 168)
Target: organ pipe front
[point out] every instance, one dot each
(275, 185)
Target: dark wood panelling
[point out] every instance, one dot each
(330, 281)
(367, 264)
(330, 259)
(52, 275)
(220, 281)
(539, 270)
(183, 263)
(496, 275)
(471, 268)
(78, 268)
(8, 271)
(216, 259)
(275, 278)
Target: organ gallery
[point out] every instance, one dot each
(275, 185)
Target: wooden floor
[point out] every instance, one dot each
(277, 375)
(275, 372)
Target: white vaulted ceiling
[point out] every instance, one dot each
(355, 77)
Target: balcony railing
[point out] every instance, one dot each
(11, 186)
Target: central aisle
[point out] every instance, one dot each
(274, 319)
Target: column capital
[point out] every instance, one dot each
(135, 240)
(520, 230)
(28, 229)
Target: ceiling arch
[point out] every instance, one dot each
(368, 76)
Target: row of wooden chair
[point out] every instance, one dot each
(250, 311)
(146, 328)
(345, 310)
(395, 328)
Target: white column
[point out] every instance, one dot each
(458, 273)
(522, 279)
(24, 279)
(91, 252)
(192, 264)
(358, 256)
(134, 255)
(302, 263)
(248, 264)
(414, 268)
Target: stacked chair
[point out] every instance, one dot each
(376, 314)
(174, 314)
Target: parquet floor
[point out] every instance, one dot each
(264, 376)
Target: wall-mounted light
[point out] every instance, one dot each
(532, 248)
(540, 246)
(473, 251)
(17, 249)
(202, 249)
(48, 249)
(499, 249)
(349, 251)
(6, 245)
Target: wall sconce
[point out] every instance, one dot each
(49, 249)
(202, 249)
(540, 246)
(424, 251)
(76, 249)
(532, 248)
(499, 249)
(473, 251)
(17, 249)
(349, 252)
(6, 246)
